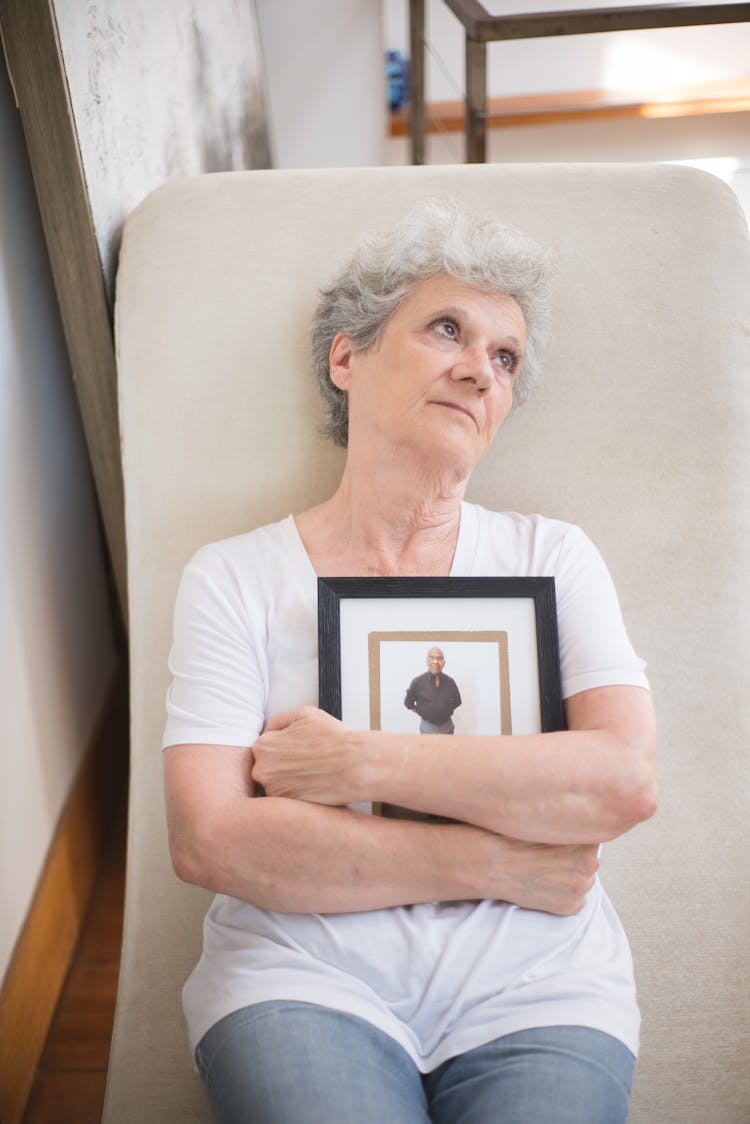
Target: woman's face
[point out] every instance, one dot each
(439, 381)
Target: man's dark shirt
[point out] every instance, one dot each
(435, 704)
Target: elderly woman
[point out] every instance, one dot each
(358, 968)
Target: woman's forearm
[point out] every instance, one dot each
(292, 856)
(295, 857)
(587, 784)
(554, 788)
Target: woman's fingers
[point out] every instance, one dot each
(304, 754)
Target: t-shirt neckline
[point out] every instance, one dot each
(463, 557)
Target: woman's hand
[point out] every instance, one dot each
(306, 754)
(552, 878)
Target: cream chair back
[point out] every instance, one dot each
(640, 433)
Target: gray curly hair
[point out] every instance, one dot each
(436, 237)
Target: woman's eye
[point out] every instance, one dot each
(507, 360)
(447, 328)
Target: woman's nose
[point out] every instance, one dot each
(474, 363)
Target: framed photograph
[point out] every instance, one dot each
(440, 655)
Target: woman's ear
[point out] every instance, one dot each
(340, 361)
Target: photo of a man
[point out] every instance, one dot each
(475, 696)
(434, 696)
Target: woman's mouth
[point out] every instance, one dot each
(459, 408)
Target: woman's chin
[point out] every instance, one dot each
(449, 459)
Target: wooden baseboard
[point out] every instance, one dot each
(730, 96)
(46, 943)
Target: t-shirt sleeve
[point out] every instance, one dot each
(219, 676)
(595, 650)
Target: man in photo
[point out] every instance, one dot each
(434, 696)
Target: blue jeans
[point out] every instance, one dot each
(297, 1063)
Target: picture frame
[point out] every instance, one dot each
(498, 637)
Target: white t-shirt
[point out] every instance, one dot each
(440, 978)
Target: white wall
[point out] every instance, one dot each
(325, 81)
(56, 643)
(626, 60)
(136, 127)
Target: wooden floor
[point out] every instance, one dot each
(70, 1082)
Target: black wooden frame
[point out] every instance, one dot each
(331, 591)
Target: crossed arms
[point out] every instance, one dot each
(533, 809)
